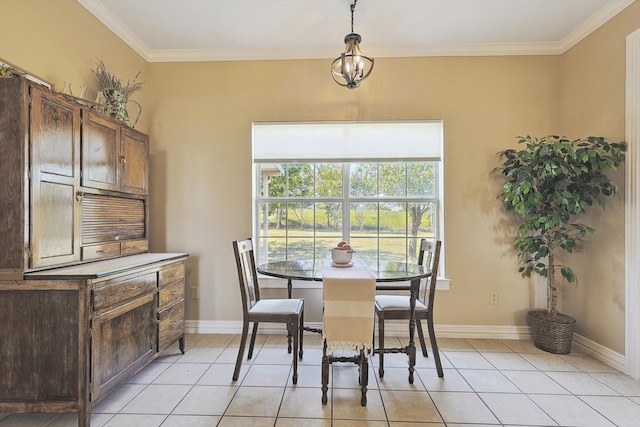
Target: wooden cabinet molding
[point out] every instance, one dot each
(85, 306)
(73, 182)
(96, 325)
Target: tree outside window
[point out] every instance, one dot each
(381, 208)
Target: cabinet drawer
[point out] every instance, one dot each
(171, 294)
(106, 250)
(170, 325)
(171, 273)
(131, 247)
(117, 290)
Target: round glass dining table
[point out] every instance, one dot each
(390, 275)
(309, 269)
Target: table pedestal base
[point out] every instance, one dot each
(363, 369)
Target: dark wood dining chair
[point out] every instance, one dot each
(396, 307)
(256, 310)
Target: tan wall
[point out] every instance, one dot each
(201, 159)
(199, 119)
(593, 103)
(60, 41)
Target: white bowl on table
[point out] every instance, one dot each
(341, 256)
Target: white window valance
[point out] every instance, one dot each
(347, 141)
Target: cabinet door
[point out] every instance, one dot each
(123, 341)
(100, 152)
(55, 178)
(135, 162)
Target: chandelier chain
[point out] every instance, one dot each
(353, 7)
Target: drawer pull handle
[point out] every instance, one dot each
(100, 251)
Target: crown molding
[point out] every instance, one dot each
(494, 49)
(610, 10)
(97, 9)
(471, 49)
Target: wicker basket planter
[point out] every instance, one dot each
(551, 333)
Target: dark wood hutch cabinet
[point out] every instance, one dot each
(85, 305)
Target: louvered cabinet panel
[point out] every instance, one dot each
(113, 226)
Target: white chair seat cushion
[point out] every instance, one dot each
(396, 302)
(277, 306)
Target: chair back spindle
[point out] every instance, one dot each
(247, 274)
(431, 251)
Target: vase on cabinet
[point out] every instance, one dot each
(116, 103)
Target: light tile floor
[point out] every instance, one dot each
(486, 383)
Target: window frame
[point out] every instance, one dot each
(347, 199)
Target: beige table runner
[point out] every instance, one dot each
(348, 295)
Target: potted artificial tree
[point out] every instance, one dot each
(549, 182)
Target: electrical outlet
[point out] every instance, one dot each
(195, 294)
(493, 298)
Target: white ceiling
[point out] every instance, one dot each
(219, 30)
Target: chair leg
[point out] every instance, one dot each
(296, 343)
(325, 372)
(243, 343)
(253, 339)
(421, 337)
(301, 331)
(289, 335)
(434, 345)
(381, 344)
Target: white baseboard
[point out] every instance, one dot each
(479, 332)
(396, 329)
(599, 352)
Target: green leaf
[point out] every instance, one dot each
(548, 182)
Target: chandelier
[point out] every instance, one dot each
(351, 67)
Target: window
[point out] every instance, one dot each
(375, 185)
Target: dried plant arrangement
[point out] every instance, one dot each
(109, 81)
(7, 72)
(117, 94)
